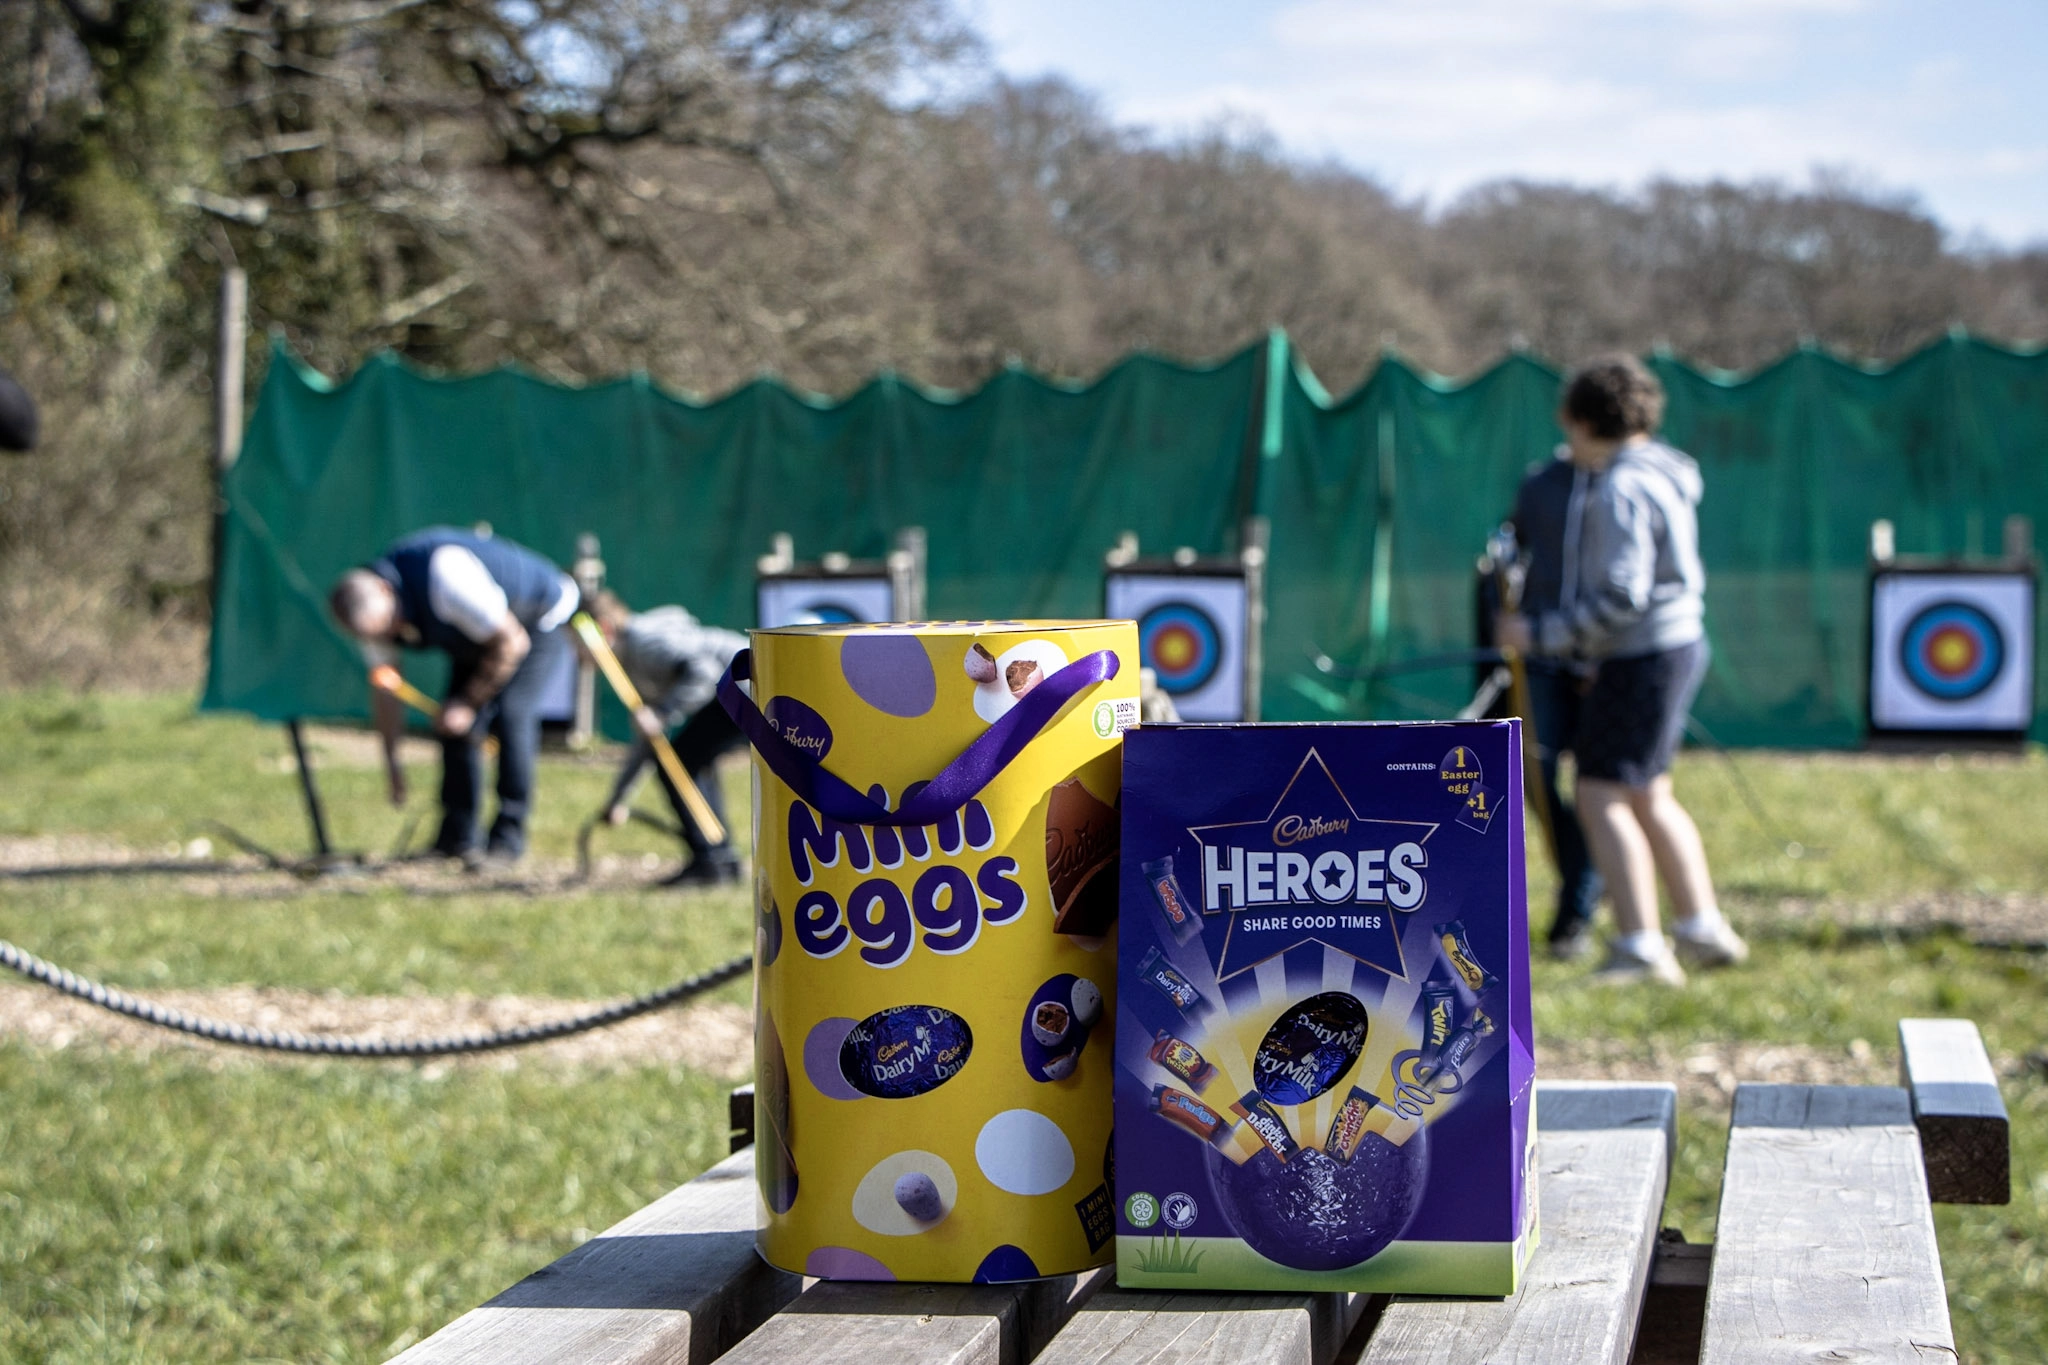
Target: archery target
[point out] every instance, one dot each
(833, 601)
(1952, 651)
(1191, 633)
(1181, 643)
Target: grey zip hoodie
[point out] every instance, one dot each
(1633, 582)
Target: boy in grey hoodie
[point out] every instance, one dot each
(1632, 603)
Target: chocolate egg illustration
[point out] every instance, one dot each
(1018, 669)
(980, 664)
(905, 1050)
(1314, 1212)
(1004, 1265)
(1053, 1034)
(1049, 1022)
(890, 672)
(1309, 1047)
(1086, 1002)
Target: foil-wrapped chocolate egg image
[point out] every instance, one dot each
(1309, 1047)
(905, 1050)
(1314, 1212)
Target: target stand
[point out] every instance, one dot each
(836, 588)
(1951, 649)
(1196, 625)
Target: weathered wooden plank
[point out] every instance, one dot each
(1603, 1160)
(855, 1323)
(1154, 1327)
(1965, 1139)
(676, 1282)
(1825, 1248)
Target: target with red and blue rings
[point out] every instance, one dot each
(1951, 651)
(1180, 642)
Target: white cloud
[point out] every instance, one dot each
(1438, 97)
(1435, 96)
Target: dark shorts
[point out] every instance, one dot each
(1634, 716)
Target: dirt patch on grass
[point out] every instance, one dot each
(1707, 1073)
(1995, 920)
(715, 1038)
(54, 853)
(212, 866)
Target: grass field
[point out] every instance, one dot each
(195, 1206)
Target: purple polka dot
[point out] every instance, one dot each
(889, 672)
(821, 1059)
(844, 1263)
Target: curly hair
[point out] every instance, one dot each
(1616, 397)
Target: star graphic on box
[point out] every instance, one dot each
(1312, 861)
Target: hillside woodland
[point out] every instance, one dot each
(708, 190)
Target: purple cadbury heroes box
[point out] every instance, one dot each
(1325, 1077)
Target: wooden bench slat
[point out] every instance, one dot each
(677, 1281)
(864, 1323)
(1825, 1247)
(1965, 1139)
(1154, 1327)
(1603, 1159)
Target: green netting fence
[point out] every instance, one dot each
(1378, 502)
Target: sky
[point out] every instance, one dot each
(1943, 99)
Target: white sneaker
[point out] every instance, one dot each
(1624, 967)
(1719, 946)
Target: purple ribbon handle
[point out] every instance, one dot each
(924, 803)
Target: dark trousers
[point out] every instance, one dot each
(1555, 699)
(514, 717)
(699, 741)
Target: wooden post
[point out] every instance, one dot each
(2019, 538)
(739, 1109)
(230, 334)
(1965, 1140)
(1254, 542)
(907, 574)
(588, 571)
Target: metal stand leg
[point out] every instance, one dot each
(322, 851)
